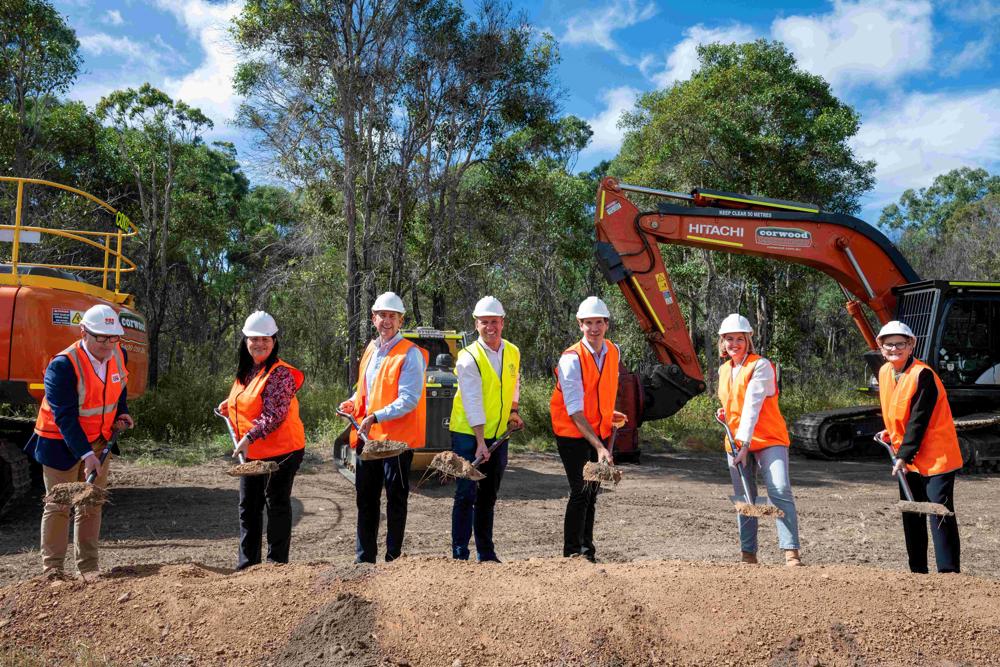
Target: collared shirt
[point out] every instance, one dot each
(411, 379)
(100, 367)
(470, 384)
(571, 376)
(760, 387)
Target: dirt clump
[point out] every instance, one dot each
(757, 510)
(80, 494)
(382, 449)
(338, 632)
(601, 472)
(252, 468)
(452, 466)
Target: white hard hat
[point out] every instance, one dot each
(388, 301)
(735, 323)
(895, 328)
(260, 324)
(592, 307)
(488, 306)
(103, 321)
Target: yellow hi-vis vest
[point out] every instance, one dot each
(498, 391)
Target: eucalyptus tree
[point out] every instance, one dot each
(152, 133)
(39, 59)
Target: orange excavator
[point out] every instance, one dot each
(51, 272)
(957, 323)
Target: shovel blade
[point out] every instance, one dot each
(934, 509)
(760, 508)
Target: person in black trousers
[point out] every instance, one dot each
(264, 413)
(921, 430)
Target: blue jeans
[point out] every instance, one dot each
(773, 462)
(474, 501)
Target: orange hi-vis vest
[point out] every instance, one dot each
(245, 404)
(770, 429)
(939, 452)
(98, 400)
(600, 390)
(411, 428)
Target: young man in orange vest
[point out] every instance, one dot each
(390, 404)
(582, 407)
(921, 429)
(84, 406)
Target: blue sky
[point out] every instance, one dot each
(922, 74)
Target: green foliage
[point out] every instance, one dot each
(748, 120)
(928, 210)
(534, 410)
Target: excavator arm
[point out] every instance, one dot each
(859, 257)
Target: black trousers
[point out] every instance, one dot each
(274, 491)
(578, 526)
(944, 529)
(369, 477)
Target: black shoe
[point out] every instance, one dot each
(490, 559)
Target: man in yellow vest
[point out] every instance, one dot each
(84, 405)
(390, 404)
(485, 407)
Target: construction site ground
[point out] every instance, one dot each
(666, 591)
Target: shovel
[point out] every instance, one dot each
(744, 505)
(607, 472)
(245, 468)
(375, 449)
(911, 505)
(83, 494)
(451, 465)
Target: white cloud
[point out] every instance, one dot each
(594, 26)
(975, 54)
(101, 43)
(920, 136)
(112, 17)
(210, 86)
(683, 59)
(607, 137)
(868, 41)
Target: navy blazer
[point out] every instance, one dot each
(60, 391)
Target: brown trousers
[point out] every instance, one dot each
(55, 522)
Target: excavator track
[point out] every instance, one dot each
(15, 466)
(979, 440)
(845, 433)
(838, 433)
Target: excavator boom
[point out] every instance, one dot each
(859, 257)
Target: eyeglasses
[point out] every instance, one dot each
(104, 339)
(896, 346)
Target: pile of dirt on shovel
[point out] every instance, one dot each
(539, 612)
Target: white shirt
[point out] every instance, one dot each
(761, 386)
(100, 367)
(571, 376)
(470, 384)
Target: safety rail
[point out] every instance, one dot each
(111, 245)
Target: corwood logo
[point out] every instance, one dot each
(784, 237)
(130, 321)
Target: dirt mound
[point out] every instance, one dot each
(538, 612)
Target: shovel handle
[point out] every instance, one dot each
(499, 441)
(92, 477)
(232, 434)
(736, 450)
(354, 422)
(901, 476)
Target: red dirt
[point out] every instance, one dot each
(666, 592)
